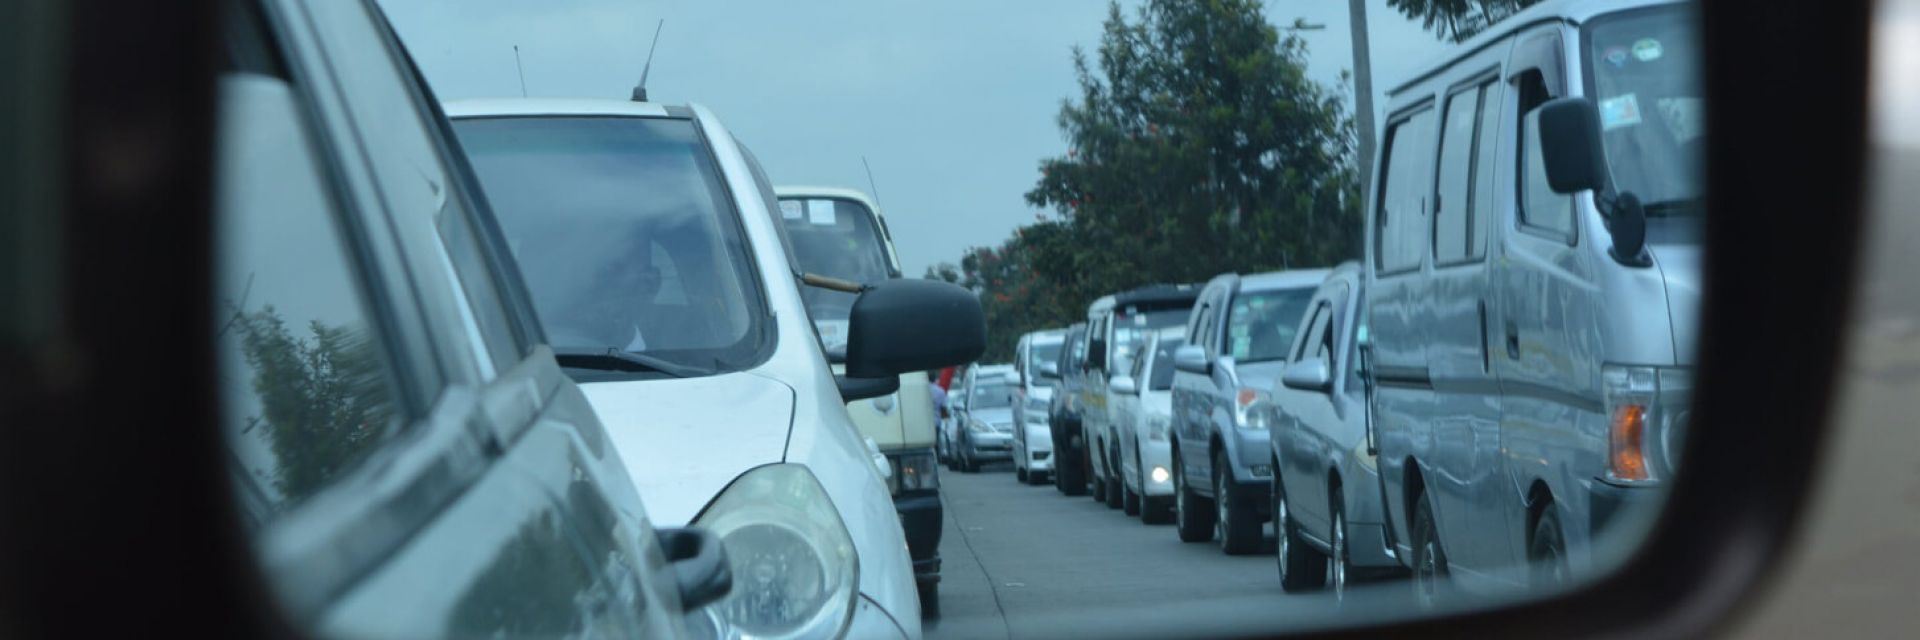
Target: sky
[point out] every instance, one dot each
(953, 103)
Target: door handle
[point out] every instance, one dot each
(1486, 357)
(1513, 341)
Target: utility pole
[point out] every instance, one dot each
(1362, 91)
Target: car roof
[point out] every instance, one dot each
(1157, 293)
(1047, 336)
(1575, 11)
(486, 107)
(1284, 279)
(801, 191)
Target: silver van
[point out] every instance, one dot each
(1532, 281)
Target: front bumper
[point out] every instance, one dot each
(1610, 503)
(998, 446)
(1156, 454)
(920, 517)
(870, 620)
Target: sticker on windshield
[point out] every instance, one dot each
(1619, 111)
(820, 211)
(1615, 55)
(1647, 50)
(791, 209)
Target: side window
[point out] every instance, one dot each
(1452, 209)
(308, 385)
(1540, 208)
(415, 184)
(1400, 230)
(1313, 332)
(1483, 217)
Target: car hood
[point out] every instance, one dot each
(1680, 268)
(684, 440)
(996, 417)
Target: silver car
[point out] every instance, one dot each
(1236, 337)
(1143, 417)
(1326, 500)
(1037, 365)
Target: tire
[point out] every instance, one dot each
(1301, 567)
(1429, 558)
(1240, 530)
(1068, 473)
(929, 599)
(1116, 494)
(1020, 473)
(1547, 553)
(1339, 565)
(1192, 514)
(1129, 500)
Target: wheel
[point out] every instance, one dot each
(929, 600)
(1240, 532)
(1192, 514)
(1129, 499)
(1337, 557)
(1069, 474)
(1429, 559)
(1301, 567)
(1116, 498)
(1547, 553)
(1098, 479)
(1020, 473)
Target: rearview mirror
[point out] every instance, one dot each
(1570, 145)
(1123, 385)
(1310, 374)
(853, 389)
(1192, 359)
(898, 326)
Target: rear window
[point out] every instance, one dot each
(1261, 324)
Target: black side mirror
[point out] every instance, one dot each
(853, 389)
(898, 326)
(699, 565)
(1570, 145)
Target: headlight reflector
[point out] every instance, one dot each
(795, 571)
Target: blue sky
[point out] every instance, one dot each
(953, 103)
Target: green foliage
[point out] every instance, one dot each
(1198, 146)
(1458, 20)
(324, 401)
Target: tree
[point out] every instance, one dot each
(324, 402)
(1458, 20)
(1198, 146)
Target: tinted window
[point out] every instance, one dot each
(308, 389)
(1162, 374)
(1401, 230)
(1450, 217)
(624, 233)
(1261, 325)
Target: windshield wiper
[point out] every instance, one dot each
(611, 359)
(1675, 207)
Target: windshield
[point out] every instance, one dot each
(991, 395)
(1042, 353)
(1643, 73)
(624, 234)
(834, 237)
(1261, 324)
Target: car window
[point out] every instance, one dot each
(1485, 149)
(642, 253)
(309, 389)
(834, 237)
(1541, 207)
(1453, 208)
(1401, 233)
(996, 394)
(1162, 374)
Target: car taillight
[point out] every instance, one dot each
(1646, 415)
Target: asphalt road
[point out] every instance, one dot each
(1025, 561)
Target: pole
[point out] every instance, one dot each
(1363, 91)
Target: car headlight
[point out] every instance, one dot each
(1646, 418)
(795, 571)
(914, 472)
(1252, 409)
(1157, 427)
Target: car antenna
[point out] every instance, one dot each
(875, 187)
(640, 91)
(522, 71)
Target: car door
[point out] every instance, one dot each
(1020, 373)
(1190, 391)
(1310, 411)
(472, 478)
(1218, 386)
(1466, 406)
(1547, 362)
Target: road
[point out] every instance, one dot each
(1024, 561)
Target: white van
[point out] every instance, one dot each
(1532, 280)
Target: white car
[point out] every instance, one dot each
(1036, 369)
(647, 237)
(1142, 414)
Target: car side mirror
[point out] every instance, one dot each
(1123, 385)
(898, 326)
(1049, 370)
(854, 389)
(1310, 374)
(1192, 359)
(1570, 145)
(699, 564)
